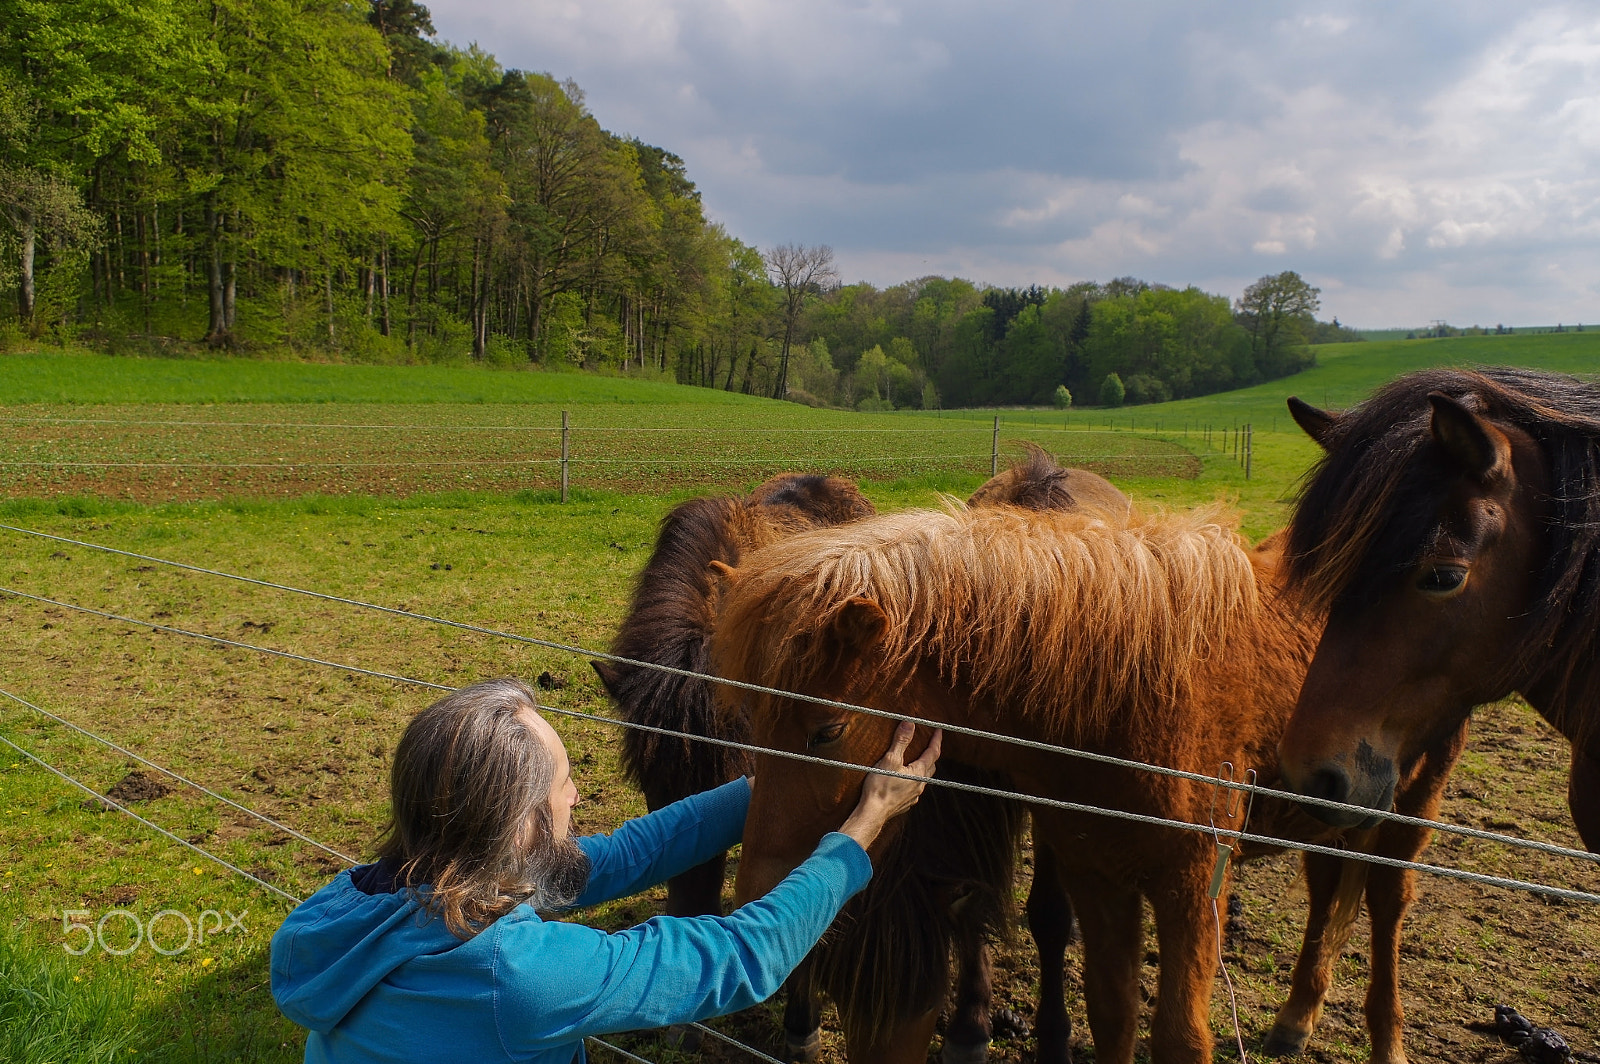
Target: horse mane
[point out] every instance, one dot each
(670, 618)
(1101, 614)
(951, 867)
(1037, 482)
(1370, 506)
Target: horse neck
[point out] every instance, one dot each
(1577, 723)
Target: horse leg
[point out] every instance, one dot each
(698, 892)
(966, 1039)
(1389, 894)
(802, 1016)
(1335, 886)
(1111, 919)
(1050, 919)
(1390, 891)
(1186, 925)
(1583, 796)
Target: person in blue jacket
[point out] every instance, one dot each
(437, 953)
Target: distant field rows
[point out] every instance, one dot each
(180, 453)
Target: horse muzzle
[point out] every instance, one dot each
(1371, 785)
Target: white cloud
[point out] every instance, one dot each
(1417, 162)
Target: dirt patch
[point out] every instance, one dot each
(136, 786)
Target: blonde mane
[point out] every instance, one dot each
(1074, 617)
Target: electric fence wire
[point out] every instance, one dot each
(1106, 759)
(289, 465)
(92, 793)
(752, 430)
(1073, 807)
(181, 779)
(279, 891)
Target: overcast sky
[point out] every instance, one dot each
(1415, 161)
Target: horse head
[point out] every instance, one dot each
(797, 802)
(1421, 535)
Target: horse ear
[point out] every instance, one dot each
(609, 676)
(722, 574)
(1318, 424)
(861, 624)
(1464, 436)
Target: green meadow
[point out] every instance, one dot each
(308, 745)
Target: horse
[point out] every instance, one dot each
(1158, 638)
(669, 622)
(1452, 533)
(942, 893)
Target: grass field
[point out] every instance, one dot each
(308, 745)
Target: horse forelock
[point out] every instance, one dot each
(1071, 617)
(1370, 508)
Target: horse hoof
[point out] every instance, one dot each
(1285, 1042)
(956, 1053)
(807, 1050)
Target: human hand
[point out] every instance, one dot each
(885, 797)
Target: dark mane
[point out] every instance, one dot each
(670, 619)
(951, 867)
(1039, 482)
(1369, 507)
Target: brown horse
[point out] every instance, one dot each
(1452, 534)
(880, 961)
(1159, 639)
(669, 622)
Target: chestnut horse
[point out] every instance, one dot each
(887, 957)
(1153, 638)
(1452, 534)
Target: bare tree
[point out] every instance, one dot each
(798, 271)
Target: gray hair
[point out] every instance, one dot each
(469, 775)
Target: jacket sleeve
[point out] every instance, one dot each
(556, 983)
(673, 839)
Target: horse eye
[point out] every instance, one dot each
(1442, 579)
(826, 734)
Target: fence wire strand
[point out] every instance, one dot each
(286, 829)
(1536, 845)
(1053, 803)
(97, 796)
(279, 891)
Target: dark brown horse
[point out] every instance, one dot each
(1452, 532)
(879, 962)
(1159, 639)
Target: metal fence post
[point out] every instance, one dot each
(1249, 448)
(994, 449)
(566, 431)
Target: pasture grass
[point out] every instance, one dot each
(51, 377)
(309, 745)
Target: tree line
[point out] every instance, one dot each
(326, 176)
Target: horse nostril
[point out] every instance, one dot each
(1329, 783)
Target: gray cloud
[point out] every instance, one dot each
(1415, 160)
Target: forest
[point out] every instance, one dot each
(327, 178)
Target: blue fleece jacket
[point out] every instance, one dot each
(375, 978)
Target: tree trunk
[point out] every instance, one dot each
(25, 288)
(230, 293)
(383, 288)
(333, 339)
(781, 388)
(750, 370)
(475, 305)
(217, 321)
